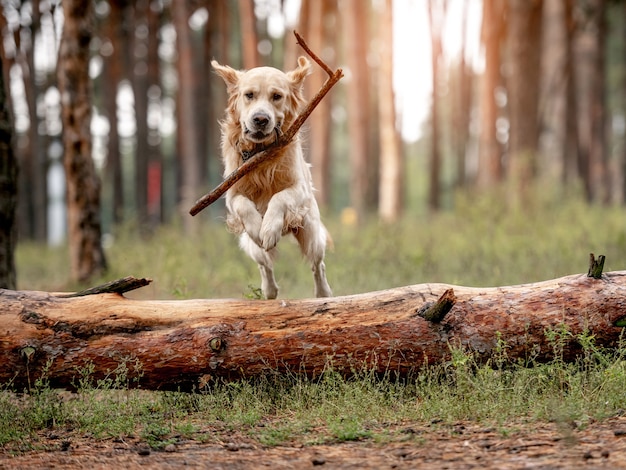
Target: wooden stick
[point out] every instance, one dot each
(119, 286)
(265, 154)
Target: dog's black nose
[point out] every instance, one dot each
(260, 120)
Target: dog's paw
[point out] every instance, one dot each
(270, 233)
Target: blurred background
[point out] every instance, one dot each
(441, 99)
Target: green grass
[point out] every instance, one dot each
(331, 408)
(481, 243)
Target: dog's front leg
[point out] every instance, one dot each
(246, 214)
(284, 204)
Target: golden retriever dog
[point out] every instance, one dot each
(277, 197)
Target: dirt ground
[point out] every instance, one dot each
(597, 445)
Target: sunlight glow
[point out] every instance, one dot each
(412, 56)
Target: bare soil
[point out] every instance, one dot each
(596, 445)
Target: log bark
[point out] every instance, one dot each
(182, 344)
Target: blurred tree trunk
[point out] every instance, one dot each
(318, 19)
(553, 88)
(249, 39)
(591, 79)
(32, 201)
(391, 165)
(462, 105)
(490, 169)
(224, 21)
(187, 123)
(623, 65)
(83, 187)
(139, 80)
(356, 36)
(36, 149)
(8, 191)
(523, 79)
(113, 64)
(436, 18)
(204, 111)
(571, 150)
(218, 29)
(155, 93)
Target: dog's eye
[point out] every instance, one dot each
(249, 95)
(277, 96)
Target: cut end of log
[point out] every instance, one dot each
(595, 266)
(436, 311)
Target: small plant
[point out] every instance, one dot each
(254, 293)
(347, 429)
(558, 339)
(155, 434)
(180, 291)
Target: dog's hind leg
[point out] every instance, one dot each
(322, 289)
(312, 241)
(265, 260)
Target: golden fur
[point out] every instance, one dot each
(276, 198)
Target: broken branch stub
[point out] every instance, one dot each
(436, 311)
(596, 266)
(265, 154)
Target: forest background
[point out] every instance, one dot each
(522, 96)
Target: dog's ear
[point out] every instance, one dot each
(298, 75)
(228, 74)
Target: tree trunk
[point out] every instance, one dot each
(390, 187)
(355, 21)
(8, 192)
(318, 21)
(113, 72)
(524, 43)
(83, 186)
(139, 80)
(155, 93)
(623, 65)
(436, 18)
(249, 41)
(590, 62)
(489, 151)
(187, 127)
(462, 107)
(188, 343)
(34, 181)
(571, 150)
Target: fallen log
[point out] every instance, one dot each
(188, 343)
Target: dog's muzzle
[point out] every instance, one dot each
(247, 154)
(259, 127)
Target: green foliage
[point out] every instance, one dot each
(482, 242)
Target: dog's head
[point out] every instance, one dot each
(263, 101)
